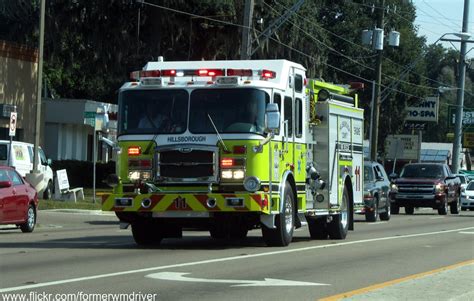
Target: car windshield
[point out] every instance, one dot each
(231, 110)
(153, 111)
(470, 186)
(422, 171)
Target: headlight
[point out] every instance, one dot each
(139, 175)
(238, 174)
(439, 188)
(233, 174)
(252, 184)
(394, 187)
(226, 174)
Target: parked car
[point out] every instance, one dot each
(426, 185)
(18, 200)
(376, 192)
(22, 159)
(467, 197)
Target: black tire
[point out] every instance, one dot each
(385, 216)
(395, 209)
(146, 233)
(455, 206)
(318, 228)
(443, 210)
(463, 209)
(372, 215)
(48, 192)
(338, 227)
(285, 222)
(409, 210)
(30, 223)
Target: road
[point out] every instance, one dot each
(80, 253)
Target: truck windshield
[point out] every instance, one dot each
(232, 110)
(153, 111)
(422, 171)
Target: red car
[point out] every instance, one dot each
(18, 200)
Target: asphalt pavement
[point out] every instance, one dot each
(73, 255)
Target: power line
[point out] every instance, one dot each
(437, 11)
(281, 43)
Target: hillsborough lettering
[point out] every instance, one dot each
(178, 139)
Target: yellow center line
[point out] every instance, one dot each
(395, 281)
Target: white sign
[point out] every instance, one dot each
(63, 181)
(425, 111)
(176, 276)
(404, 147)
(12, 124)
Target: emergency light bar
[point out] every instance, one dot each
(139, 75)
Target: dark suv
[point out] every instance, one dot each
(426, 185)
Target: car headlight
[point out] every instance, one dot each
(252, 184)
(394, 187)
(226, 174)
(439, 188)
(238, 174)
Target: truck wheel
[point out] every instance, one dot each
(30, 223)
(463, 208)
(146, 233)
(455, 206)
(395, 209)
(48, 192)
(318, 228)
(409, 210)
(338, 227)
(285, 222)
(443, 210)
(385, 216)
(371, 216)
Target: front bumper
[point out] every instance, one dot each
(187, 204)
(418, 200)
(467, 202)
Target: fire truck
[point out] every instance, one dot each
(231, 146)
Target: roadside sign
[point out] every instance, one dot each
(405, 147)
(468, 140)
(89, 118)
(467, 120)
(12, 127)
(427, 110)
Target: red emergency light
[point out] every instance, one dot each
(210, 72)
(150, 73)
(134, 150)
(168, 72)
(227, 162)
(266, 74)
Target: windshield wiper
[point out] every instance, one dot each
(218, 135)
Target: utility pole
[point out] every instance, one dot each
(38, 91)
(378, 78)
(460, 96)
(246, 38)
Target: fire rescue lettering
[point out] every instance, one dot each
(187, 139)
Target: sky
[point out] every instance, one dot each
(437, 17)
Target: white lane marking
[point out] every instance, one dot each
(466, 232)
(186, 264)
(176, 276)
(438, 217)
(377, 223)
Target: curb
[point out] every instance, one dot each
(80, 211)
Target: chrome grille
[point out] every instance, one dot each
(190, 163)
(416, 188)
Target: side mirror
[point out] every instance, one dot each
(393, 176)
(272, 117)
(5, 184)
(49, 161)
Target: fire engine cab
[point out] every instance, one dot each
(231, 146)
